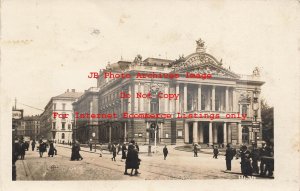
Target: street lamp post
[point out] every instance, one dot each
(153, 102)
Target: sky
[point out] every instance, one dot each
(66, 40)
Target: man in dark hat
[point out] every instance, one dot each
(246, 161)
(228, 157)
(255, 158)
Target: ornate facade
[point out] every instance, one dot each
(227, 98)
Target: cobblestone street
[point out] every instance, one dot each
(179, 165)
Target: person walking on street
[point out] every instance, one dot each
(195, 150)
(119, 148)
(165, 151)
(137, 147)
(33, 145)
(228, 157)
(132, 160)
(255, 158)
(124, 149)
(23, 150)
(42, 147)
(262, 154)
(91, 146)
(51, 149)
(75, 155)
(246, 161)
(128, 162)
(216, 152)
(114, 152)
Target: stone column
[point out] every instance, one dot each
(213, 97)
(215, 133)
(239, 133)
(199, 98)
(185, 98)
(177, 101)
(226, 100)
(225, 133)
(136, 100)
(167, 101)
(234, 100)
(109, 135)
(186, 132)
(161, 131)
(210, 133)
(125, 131)
(195, 132)
(142, 100)
(147, 133)
(201, 133)
(229, 134)
(259, 108)
(130, 99)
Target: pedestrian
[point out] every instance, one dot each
(195, 150)
(216, 152)
(127, 161)
(137, 147)
(124, 149)
(119, 148)
(26, 145)
(132, 160)
(228, 157)
(75, 155)
(17, 147)
(262, 154)
(165, 151)
(269, 160)
(51, 149)
(23, 150)
(100, 149)
(42, 147)
(245, 161)
(91, 146)
(255, 158)
(33, 145)
(114, 152)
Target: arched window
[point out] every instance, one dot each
(62, 136)
(244, 109)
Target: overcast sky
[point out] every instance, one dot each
(69, 39)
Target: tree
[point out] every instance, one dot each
(267, 117)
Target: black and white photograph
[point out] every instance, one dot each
(150, 95)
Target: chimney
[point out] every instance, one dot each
(73, 90)
(67, 90)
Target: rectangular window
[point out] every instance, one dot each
(179, 133)
(63, 125)
(53, 125)
(69, 126)
(63, 106)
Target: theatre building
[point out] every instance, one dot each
(205, 102)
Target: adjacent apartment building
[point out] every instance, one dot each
(56, 127)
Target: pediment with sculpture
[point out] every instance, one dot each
(202, 63)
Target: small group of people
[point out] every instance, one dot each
(20, 148)
(250, 159)
(43, 147)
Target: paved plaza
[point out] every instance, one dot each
(179, 165)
